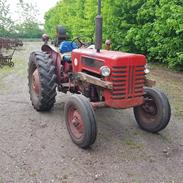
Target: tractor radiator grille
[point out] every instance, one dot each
(128, 82)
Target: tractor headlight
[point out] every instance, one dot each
(105, 71)
(147, 71)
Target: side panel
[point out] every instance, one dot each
(87, 62)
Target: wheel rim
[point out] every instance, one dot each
(149, 109)
(75, 123)
(36, 82)
(150, 106)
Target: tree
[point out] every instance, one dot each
(5, 20)
(150, 27)
(28, 26)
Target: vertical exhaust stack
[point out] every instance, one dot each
(98, 36)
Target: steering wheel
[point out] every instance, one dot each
(82, 41)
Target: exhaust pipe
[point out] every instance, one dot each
(98, 36)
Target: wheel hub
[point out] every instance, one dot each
(76, 124)
(150, 106)
(36, 82)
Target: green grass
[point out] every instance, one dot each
(133, 145)
(19, 69)
(1, 180)
(171, 83)
(4, 72)
(136, 181)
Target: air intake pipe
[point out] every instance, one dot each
(98, 36)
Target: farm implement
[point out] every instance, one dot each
(7, 50)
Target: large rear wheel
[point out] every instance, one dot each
(42, 81)
(154, 115)
(80, 121)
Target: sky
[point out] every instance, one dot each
(43, 5)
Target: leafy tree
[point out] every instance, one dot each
(150, 27)
(28, 26)
(159, 32)
(5, 20)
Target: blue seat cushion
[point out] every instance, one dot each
(67, 46)
(67, 58)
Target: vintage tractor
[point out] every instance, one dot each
(96, 78)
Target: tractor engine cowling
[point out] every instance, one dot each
(126, 74)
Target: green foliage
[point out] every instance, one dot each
(26, 27)
(5, 20)
(150, 27)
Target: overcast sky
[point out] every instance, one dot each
(43, 5)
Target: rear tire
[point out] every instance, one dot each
(154, 115)
(80, 121)
(41, 73)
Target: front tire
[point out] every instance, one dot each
(154, 115)
(42, 81)
(80, 121)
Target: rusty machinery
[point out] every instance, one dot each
(96, 78)
(7, 50)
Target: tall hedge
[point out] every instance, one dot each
(150, 27)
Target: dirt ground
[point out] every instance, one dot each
(35, 147)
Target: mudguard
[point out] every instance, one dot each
(56, 56)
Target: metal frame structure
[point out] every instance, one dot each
(8, 45)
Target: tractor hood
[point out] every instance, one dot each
(90, 60)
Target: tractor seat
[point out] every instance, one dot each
(66, 48)
(66, 57)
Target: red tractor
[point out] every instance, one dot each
(96, 78)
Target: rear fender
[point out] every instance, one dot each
(55, 54)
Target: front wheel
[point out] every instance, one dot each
(80, 121)
(154, 115)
